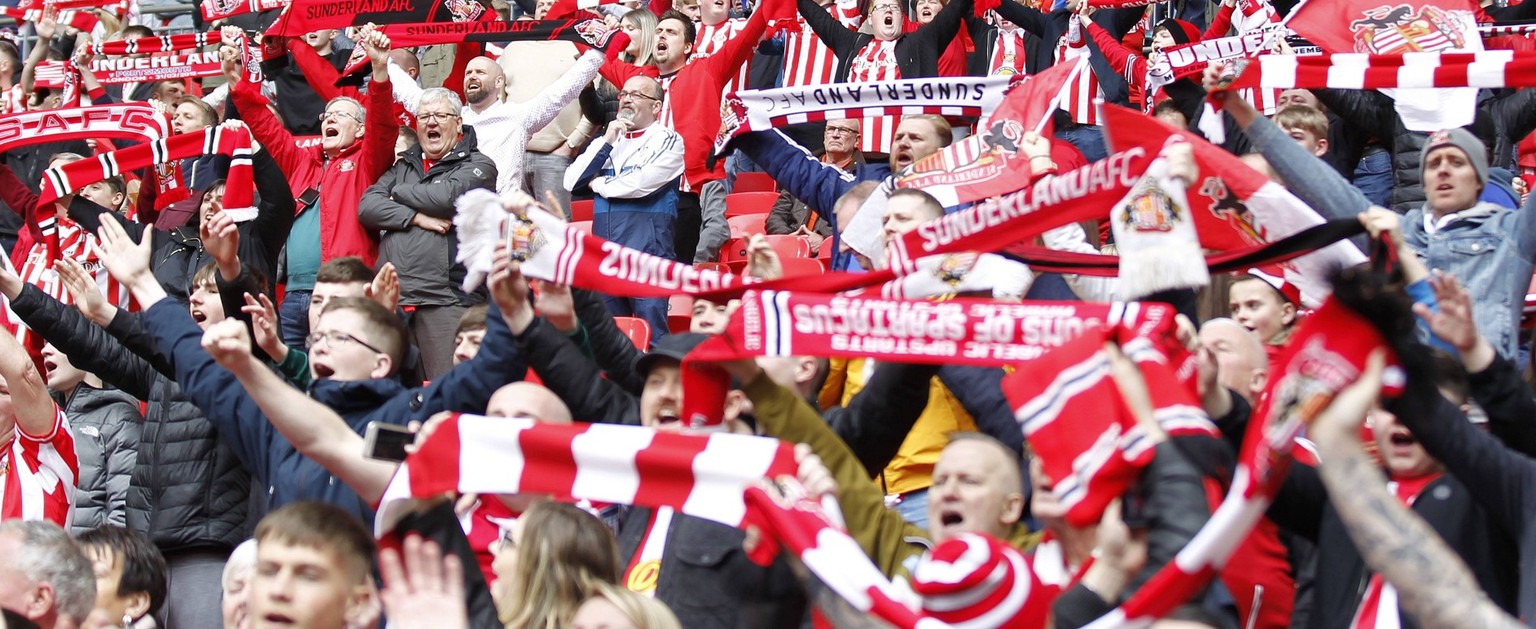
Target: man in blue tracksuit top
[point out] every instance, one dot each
(354, 354)
(633, 172)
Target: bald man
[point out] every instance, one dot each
(1242, 365)
(502, 128)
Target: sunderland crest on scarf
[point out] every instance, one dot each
(1393, 30)
(463, 10)
(524, 239)
(953, 269)
(1152, 210)
(733, 114)
(595, 32)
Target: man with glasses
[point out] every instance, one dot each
(633, 173)
(328, 180)
(790, 215)
(412, 204)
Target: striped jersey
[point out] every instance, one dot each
(38, 475)
(876, 62)
(76, 244)
(808, 61)
(1083, 90)
(711, 39)
(1007, 54)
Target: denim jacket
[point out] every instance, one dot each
(1490, 249)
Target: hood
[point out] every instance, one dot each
(87, 399)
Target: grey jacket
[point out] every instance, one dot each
(424, 259)
(105, 423)
(1489, 248)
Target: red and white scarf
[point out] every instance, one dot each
(81, 20)
(1486, 69)
(699, 475)
(220, 9)
(164, 43)
(760, 110)
(134, 122)
(116, 71)
(1089, 444)
(1326, 354)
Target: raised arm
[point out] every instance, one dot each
(1434, 586)
(942, 30)
(34, 412)
(830, 31)
(1026, 17)
(545, 105)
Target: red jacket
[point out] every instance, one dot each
(342, 180)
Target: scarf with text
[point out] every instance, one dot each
(305, 16)
(164, 43)
(116, 7)
(1487, 69)
(700, 475)
(61, 181)
(124, 69)
(989, 163)
(1326, 354)
(585, 31)
(1189, 60)
(220, 9)
(78, 19)
(759, 110)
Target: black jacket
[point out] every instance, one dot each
(179, 253)
(1500, 478)
(429, 276)
(188, 490)
(917, 53)
(707, 579)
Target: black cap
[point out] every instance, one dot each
(672, 347)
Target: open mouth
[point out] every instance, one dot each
(889, 19)
(1402, 438)
(949, 518)
(903, 158)
(323, 370)
(330, 132)
(667, 416)
(433, 136)
(198, 315)
(49, 365)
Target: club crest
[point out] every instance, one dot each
(1394, 30)
(524, 239)
(1151, 210)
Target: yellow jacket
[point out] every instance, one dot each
(912, 468)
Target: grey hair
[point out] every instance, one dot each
(242, 560)
(440, 94)
(362, 112)
(48, 555)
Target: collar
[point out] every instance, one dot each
(634, 135)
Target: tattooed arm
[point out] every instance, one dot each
(1434, 586)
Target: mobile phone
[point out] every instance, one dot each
(386, 442)
(309, 197)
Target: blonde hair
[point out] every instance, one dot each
(565, 553)
(645, 612)
(645, 22)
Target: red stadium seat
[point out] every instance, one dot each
(786, 245)
(794, 267)
(747, 224)
(638, 331)
(581, 210)
(755, 182)
(714, 266)
(679, 313)
(739, 203)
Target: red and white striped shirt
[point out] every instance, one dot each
(876, 62)
(1085, 89)
(808, 61)
(38, 475)
(14, 100)
(1007, 53)
(75, 243)
(711, 39)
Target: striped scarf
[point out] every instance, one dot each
(699, 475)
(61, 181)
(1486, 69)
(163, 43)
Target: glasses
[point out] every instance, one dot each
(327, 115)
(841, 131)
(623, 95)
(886, 7)
(338, 338)
(435, 117)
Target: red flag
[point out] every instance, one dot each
(988, 163)
(1386, 27)
(1234, 206)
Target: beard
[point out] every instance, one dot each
(476, 94)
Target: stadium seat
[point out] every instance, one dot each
(679, 313)
(801, 266)
(581, 210)
(638, 331)
(714, 266)
(755, 182)
(747, 224)
(787, 245)
(739, 203)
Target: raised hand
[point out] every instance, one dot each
(228, 344)
(509, 289)
(221, 239)
(10, 284)
(126, 260)
(1453, 322)
(385, 289)
(762, 261)
(88, 298)
(264, 326)
(425, 590)
(557, 306)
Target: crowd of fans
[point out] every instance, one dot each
(194, 398)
